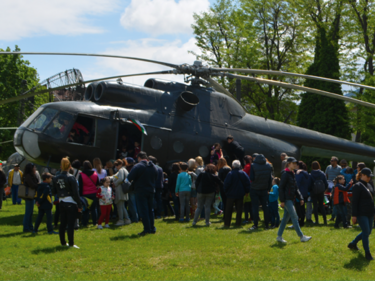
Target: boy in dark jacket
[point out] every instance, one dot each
(44, 203)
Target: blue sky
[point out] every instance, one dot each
(154, 29)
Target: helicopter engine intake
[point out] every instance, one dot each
(89, 93)
(187, 101)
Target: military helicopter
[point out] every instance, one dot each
(182, 120)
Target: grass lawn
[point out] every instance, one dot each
(179, 252)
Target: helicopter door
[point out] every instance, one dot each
(130, 140)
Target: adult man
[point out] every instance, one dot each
(158, 188)
(15, 177)
(143, 176)
(66, 188)
(283, 158)
(343, 163)
(236, 149)
(332, 171)
(261, 183)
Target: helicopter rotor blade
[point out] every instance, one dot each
(218, 87)
(30, 93)
(283, 73)
(300, 88)
(91, 55)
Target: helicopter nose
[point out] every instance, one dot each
(26, 143)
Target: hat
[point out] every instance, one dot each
(367, 172)
(16, 165)
(291, 160)
(130, 160)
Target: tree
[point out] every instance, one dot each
(16, 76)
(255, 34)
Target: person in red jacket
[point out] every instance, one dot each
(340, 199)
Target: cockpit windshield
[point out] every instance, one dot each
(60, 125)
(42, 120)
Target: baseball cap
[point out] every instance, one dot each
(367, 172)
(291, 160)
(130, 160)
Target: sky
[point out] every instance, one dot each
(153, 29)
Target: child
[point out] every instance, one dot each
(183, 190)
(44, 203)
(106, 197)
(137, 149)
(166, 196)
(274, 203)
(340, 199)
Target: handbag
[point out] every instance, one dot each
(25, 192)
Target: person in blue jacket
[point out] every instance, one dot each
(44, 203)
(183, 190)
(274, 203)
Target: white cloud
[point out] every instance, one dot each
(174, 52)
(20, 18)
(162, 16)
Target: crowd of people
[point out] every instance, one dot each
(132, 190)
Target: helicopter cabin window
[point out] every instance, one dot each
(82, 131)
(42, 120)
(130, 141)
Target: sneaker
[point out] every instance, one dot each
(106, 226)
(254, 227)
(100, 227)
(208, 224)
(348, 226)
(220, 213)
(142, 234)
(127, 222)
(305, 238)
(291, 226)
(119, 223)
(369, 257)
(280, 239)
(53, 232)
(74, 246)
(353, 246)
(181, 220)
(194, 223)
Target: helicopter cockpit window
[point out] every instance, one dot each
(60, 126)
(83, 131)
(42, 120)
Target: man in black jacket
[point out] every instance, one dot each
(261, 183)
(66, 188)
(143, 176)
(236, 149)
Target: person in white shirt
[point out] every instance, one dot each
(14, 180)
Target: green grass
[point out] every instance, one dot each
(178, 252)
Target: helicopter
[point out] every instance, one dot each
(170, 120)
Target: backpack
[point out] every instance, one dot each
(318, 187)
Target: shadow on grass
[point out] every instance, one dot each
(50, 250)
(11, 234)
(357, 263)
(13, 220)
(278, 245)
(124, 237)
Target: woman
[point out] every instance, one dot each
(363, 210)
(120, 197)
(192, 166)
(224, 170)
(76, 166)
(98, 168)
(216, 153)
(31, 181)
(317, 178)
(288, 192)
(172, 188)
(183, 190)
(302, 179)
(88, 182)
(207, 184)
(247, 206)
(109, 168)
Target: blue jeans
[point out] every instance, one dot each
(158, 206)
(28, 218)
(366, 224)
(15, 199)
(341, 215)
(260, 196)
(145, 203)
(289, 213)
(94, 209)
(274, 213)
(132, 206)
